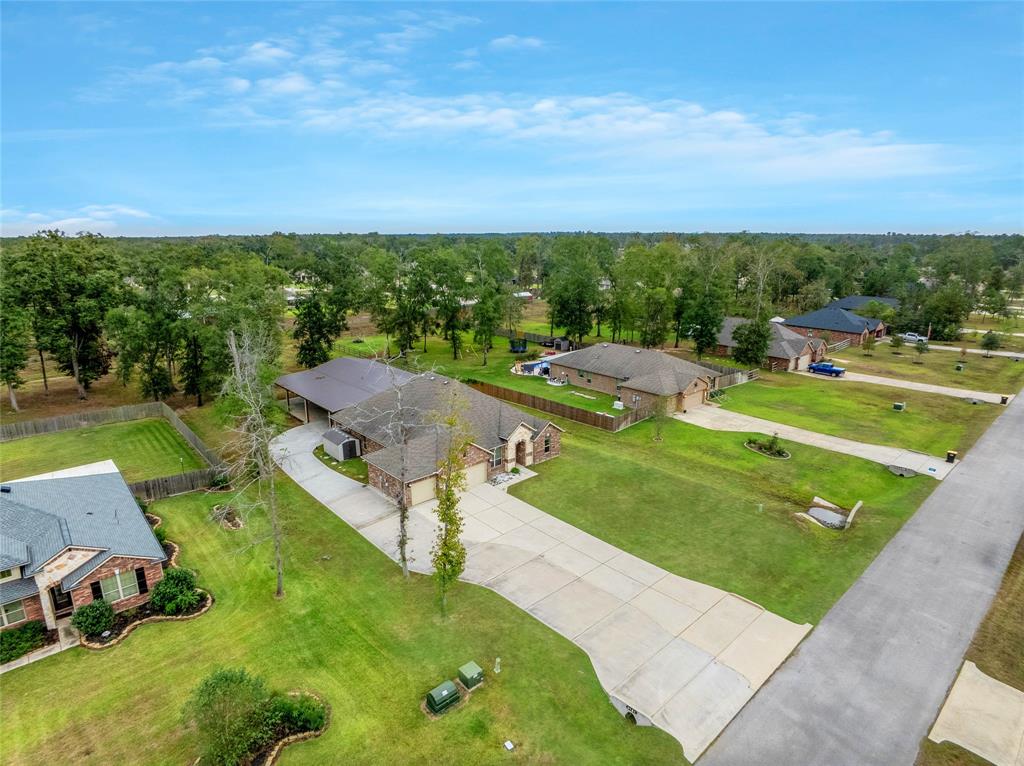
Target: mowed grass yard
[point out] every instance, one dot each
(348, 628)
(932, 423)
(998, 374)
(470, 366)
(698, 503)
(142, 449)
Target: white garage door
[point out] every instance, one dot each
(803, 361)
(422, 490)
(476, 474)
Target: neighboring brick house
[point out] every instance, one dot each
(640, 377)
(67, 540)
(501, 436)
(787, 349)
(838, 323)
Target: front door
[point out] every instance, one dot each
(62, 603)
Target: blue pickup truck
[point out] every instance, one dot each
(826, 368)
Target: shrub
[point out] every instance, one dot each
(160, 534)
(298, 714)
(175, 593)
(234, 714)
(93, 619)
(21, 640)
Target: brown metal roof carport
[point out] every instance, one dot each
(340, 383)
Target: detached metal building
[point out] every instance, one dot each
(339, 383)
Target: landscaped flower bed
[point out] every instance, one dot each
(19, 641)
(125, 622)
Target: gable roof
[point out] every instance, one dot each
(783, 344)
(490, 422)
(40, 517)
(834, 319)
(854, 302)
(643, 369)
(342, 382)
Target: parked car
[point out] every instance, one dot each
(826, 368)
(912, 337)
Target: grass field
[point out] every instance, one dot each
(932, 423)
(998, 374)
(142, 449)
(354, 468)
(470, 366)
(996, 650)
(701, 505)
(348, 628)
(1014, 323)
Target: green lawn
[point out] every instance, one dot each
(932, 423)
(1007, 342)
(1014, 323)
(142, 449)
(998, 374)
(701, 505)
(470, 366)
(348, 628)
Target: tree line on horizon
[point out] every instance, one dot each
(159, 310)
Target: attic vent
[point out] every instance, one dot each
(5, 489)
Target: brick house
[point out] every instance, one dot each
(67, 540)
(639, 377)
(840, 324)
(787, 349)
(501, 436)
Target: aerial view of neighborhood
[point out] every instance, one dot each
(597, 384)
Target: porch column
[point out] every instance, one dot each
(47, 604)
(305, 405)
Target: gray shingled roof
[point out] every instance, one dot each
(854, 302)
(784, 343)
(41, 517)
(490, 421)
(342, 382)
(15, 590)
(643, 369)
(835, 319)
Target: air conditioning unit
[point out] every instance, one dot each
(340, 445)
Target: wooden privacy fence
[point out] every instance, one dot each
(151, 489)
(534, 337)
(567, 411)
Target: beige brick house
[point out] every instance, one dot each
(640, 377)
(67, 540)
(403, 444)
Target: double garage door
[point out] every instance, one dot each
(423, 490)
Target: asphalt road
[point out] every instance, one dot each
(866, 685)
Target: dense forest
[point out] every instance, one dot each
(158, 309)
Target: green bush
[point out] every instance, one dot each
(93, 619)
(175, 593)
(160, 534)
(21, 640)
(234, 716)
(298, 714)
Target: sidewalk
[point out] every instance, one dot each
(718, 419)
(912, 385)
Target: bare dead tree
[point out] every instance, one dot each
(251, 465)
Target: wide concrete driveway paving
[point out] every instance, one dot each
(912, 385)
(715, 418)
(671, 652)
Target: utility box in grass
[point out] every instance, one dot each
(442, 697)
(471, 675)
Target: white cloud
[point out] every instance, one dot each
(516, 43)
(264, 53)
(98, 219)
(290, 84)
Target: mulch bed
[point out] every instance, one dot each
(228, 517)
(760, 451)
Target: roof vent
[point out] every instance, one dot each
(6, 489)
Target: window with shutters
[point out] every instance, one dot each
(12, 613)
(122, 585)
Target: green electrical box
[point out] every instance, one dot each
(442, 697)
(471, 674)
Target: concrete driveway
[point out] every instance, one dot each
(672, 652)
(717, 419)
(911, 385)
(940, 347)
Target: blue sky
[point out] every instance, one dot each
(174, 118)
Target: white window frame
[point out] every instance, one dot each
(5, 618)
(547, 443)
(124, 581)
(497, 456)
